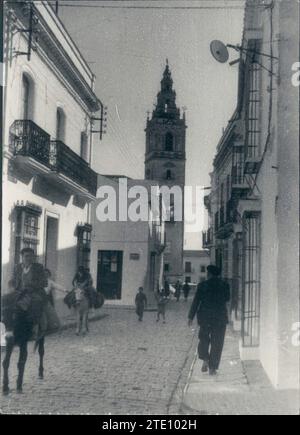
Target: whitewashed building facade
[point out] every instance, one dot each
(254, 201)
(127, 254)
(48, 182)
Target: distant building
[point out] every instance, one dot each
(165, 162)
(254, 201)
(126, 254)
(194, 265)
(48, 182)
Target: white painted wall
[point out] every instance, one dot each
(128, 237)
(197, 263)
(51, 90)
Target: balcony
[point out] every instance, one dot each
(55, 161)
(66, 162)
(227, 217)
(239, 186)
(252, 160)
(29, 140)
(252, 165)
(207, 239)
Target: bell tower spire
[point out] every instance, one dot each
(165, 162)
(166, 98)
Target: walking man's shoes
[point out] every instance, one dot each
(205, 367)
(212, 372)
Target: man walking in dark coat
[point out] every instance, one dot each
(210, 305)
(140, 303)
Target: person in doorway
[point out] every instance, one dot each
(186, 289)
(140, 303)
(210, 305)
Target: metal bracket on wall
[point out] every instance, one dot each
(33, 21)
(102, 120)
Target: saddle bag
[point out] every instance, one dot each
(70, 299)
(99, 300)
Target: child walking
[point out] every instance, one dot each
(140, 303)
(161, 305)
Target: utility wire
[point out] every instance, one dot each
(120, 6)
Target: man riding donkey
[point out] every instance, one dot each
(24, 314)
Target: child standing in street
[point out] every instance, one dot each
(162, 300)
(140, 303)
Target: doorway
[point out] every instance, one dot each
(51, 245)
(109, 276)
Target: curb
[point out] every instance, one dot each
(177, 398)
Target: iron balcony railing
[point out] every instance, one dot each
(28, 139)
(67, 162)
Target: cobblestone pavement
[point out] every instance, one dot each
(121, 367)
(239, 389)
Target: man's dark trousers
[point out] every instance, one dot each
(211, 342)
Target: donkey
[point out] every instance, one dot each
(20, 327)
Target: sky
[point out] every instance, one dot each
(127, 47)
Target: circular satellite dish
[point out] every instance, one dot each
(219, 51)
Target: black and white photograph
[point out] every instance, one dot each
(150, 210)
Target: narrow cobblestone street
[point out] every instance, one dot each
(121, 367)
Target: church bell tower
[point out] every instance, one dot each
(165, 162)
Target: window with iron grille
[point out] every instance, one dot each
(253, 101)
(27, 229)
(251, 280)
(84, 235)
